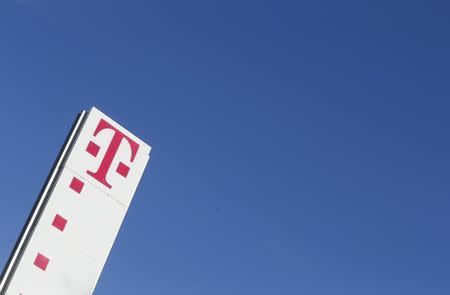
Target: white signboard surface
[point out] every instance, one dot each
(65, 251)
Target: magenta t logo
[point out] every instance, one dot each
(110, 154)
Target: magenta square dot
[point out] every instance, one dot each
(123, 169)
(76, 185)
(92, 148)
(59, 222)
(41, 261)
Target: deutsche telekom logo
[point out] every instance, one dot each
(110, 154)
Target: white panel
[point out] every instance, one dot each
(84, 212)
(93, 217)
(69, 272)
(81, 161)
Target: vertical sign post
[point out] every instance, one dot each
(72, 227)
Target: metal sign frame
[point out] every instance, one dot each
(39, 206)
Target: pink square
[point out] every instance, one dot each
(92, 149)
(41, 261)
(76, 185)
(59, 222)
(123, 169)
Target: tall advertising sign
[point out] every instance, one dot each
(72, 227)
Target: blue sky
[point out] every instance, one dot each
(299, 147)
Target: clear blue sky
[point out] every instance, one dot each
(300, 147)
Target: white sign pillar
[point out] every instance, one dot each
(71, 230)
